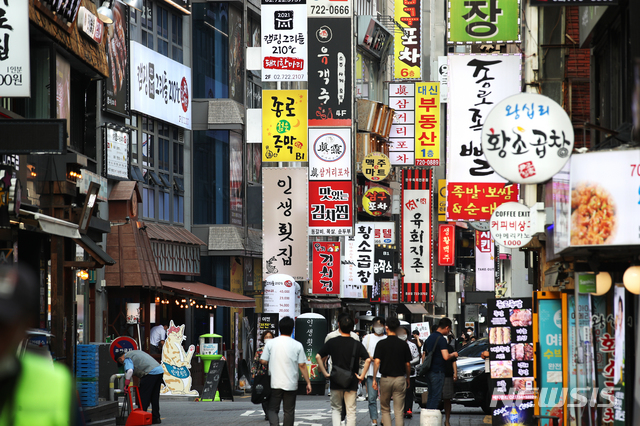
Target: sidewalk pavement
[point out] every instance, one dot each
(310, 411)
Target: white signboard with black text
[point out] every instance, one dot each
(284, 40)
(160, 87)
(329, 154)
(117, 154)
(15, 71)
(510, 225)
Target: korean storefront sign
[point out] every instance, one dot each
(352, 287)
(442, 200)
(282, 296)
(385, 233)
(330, 207)
(363, 258)
(376, 166)
(284, 40)
(326, 267)
(116, 86)
(477, 83)
(376, 201)
(330, 154)
(484, 21)
(604, 198)
(388, 290)
(550, 357)
(160, 87)
(285, 243)
(408, 46)
(15, 74)
(527, 138)
(510, 225)
(89, 25)
(284, 125)
(401, 136)
(416, 235)
(383, 266)
(427, 124)
(117, 154)
(485, 265)
(511, 361)
(446, 245)
(330, 94)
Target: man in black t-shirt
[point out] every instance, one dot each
(341, 351)
(392, 357)
(435, 376)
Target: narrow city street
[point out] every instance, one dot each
(310, 411)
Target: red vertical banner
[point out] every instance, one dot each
(326, 267)
(416, 235)
(446, 245)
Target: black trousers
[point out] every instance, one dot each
(288, 399)
(150, 393)
(408, 399)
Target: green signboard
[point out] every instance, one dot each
(586, 283)
(488, 21)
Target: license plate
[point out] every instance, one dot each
(421, 390)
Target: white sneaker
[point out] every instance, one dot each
(343, 423)
(361, 398)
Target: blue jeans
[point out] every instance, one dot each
(435, 383)
(372, 394)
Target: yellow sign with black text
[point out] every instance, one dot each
(284, 125)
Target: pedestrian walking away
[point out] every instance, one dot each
(345, 353)
(437, 343)
(157, 336)
(450, 377)
(149, 371)
(261, 371)
(393, 359)
(284, 356)
(370, 341)
(415, 360)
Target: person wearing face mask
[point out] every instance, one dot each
(258, 369)
(370, 341)
(415, 360)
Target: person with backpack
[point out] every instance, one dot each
(436, 348)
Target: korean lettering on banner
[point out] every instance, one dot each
(330, 101)
(416, 235)
(284, 40)
(117, 154)
(477, 83)
(385, 233)
(351, 287)
(330, 154)
(284, 125)
(326, 267)
(401, 136)
(484, 254)
(393, 290)
(15, 70)
(485, 21)
(365, 258)
(427, 122)
(383, 266)
(116, 86)
(408, 47)
(330, 208)
(446, 245)
(511, 361)
(285, 242)
(376, 201)
(603, 324)
(263, 323)
(550, 335)
(160, 86)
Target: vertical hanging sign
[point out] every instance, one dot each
(446, 245)
(493, 21)
(401, 136)
(427, 127)
(284, 40)
(284, 125)
(408, 47)
(485, 265)
(416, 235)
(285, 243)
(326, 267)
(351, 286)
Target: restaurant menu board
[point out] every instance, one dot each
(511, 361)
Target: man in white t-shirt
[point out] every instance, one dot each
(157, 336)
(370, 341)
(283, 354)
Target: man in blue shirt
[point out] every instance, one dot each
(150, 373)
(435, 376)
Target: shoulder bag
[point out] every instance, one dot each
(426, 364)
(341, 376)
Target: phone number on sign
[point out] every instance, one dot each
(423, 162)
(330, 10)
(284, 77)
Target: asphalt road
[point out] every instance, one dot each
(310, 411)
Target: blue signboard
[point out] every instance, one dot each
(550, 380)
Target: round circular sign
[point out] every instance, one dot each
(184, 94)
(122, 345)
(482, 226)
(376, 166)
(527, 138)
(329, 147)
(511, 225)
(376, 201)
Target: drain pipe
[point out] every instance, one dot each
(112, 385)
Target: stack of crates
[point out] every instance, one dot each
(87, 374)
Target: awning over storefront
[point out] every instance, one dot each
(99, 255)
(328, 303)
(213, 295)
(54, 226)
(416, 308)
